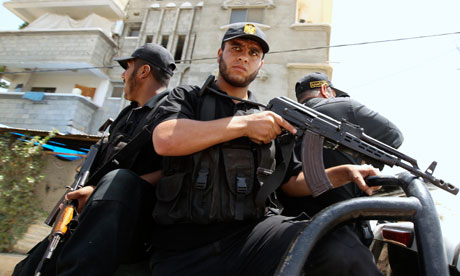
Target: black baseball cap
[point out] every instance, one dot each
(315, 80)
(249, 31)
(154, 54)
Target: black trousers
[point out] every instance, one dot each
(259, 250)
(114, 228)
(255, 251)
(341, 252)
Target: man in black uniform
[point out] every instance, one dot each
(315, 90)
(115, 211)
(208, 219)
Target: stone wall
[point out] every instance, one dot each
(67, 113)
(57, 175)
(111, 108)
(205, 24)
(52, 47)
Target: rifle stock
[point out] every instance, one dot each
(318, 130)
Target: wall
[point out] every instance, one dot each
(203, 23)
(57, 175)
(110, 109)
(49, 48)
(280, 71)
(64, 82)
(67, 113)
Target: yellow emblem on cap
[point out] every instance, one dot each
(249, 29)
(316, 84)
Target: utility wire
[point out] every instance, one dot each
(369, 42)
(59, 70)
(270, 53)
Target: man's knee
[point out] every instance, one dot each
(341, 253)
(120, 185)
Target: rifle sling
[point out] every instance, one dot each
(271, 182)
(133, 147)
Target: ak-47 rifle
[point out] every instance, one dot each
(319, 130)
(65, 211)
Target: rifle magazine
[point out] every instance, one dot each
(313, 165)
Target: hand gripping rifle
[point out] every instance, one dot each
(319, 130)
(63, 214)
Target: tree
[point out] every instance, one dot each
(21, 163)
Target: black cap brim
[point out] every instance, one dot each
(263, 44)
(123, 61)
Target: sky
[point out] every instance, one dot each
(415, 83)
(9, 20)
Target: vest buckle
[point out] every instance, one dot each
(241, 186)
(202, 179)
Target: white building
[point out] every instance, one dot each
(61, 70)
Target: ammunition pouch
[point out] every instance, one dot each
(215, 185)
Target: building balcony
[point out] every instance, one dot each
(55, 49)
(29, 10)
(67, 113)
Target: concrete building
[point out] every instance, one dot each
(60, 66)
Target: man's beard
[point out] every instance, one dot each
(235, 81)
(131, 85)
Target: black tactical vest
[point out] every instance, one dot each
(214, 185)
(218, 184)
(122, 149)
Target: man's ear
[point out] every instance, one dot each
(144, 71)
(219, 55)
(323, 91)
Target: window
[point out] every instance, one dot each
(134, 31)
(164, 41)
(86, 91)
(43, 89)
(18, 88)
(117, 91)
(179, 47)
(255, 15)
(149, 39)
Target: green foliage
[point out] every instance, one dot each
(20, 171)
(23, 25)
(3, 84)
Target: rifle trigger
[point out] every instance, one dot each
(299, 133)
(431, 168)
